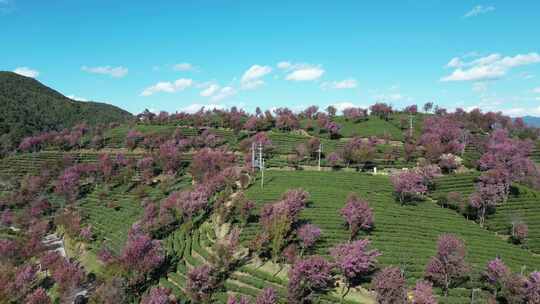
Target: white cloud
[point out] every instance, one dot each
(168, 87)
(340, 106)
(454, 63)
(193, 108)
(475, 73)
(116, 72)
(520, 59)
(26, 71)
(284, 65)
(300, 71)
(536, 90)
(224, 93)
(210, 90)
(307, 73)
(184, 66)
(490, 67)
(252, 77)
(479, 10)
(77, 98)
(349, 83)
(489, 59)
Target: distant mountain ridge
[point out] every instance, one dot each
(532, 121)
(28, 107)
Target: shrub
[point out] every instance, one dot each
(520, 231)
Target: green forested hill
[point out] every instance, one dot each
(28, 107)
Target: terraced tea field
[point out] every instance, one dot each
(111, 224)
(462, 183)
(372, 127)
(195, 248)
(405, 234)
(523, 206)
(116, 137)
(535, 156)
(21, 164)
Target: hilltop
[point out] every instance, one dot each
(28, 107)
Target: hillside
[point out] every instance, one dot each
(28, 107)
(160, 202)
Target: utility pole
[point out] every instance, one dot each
(261, 165)
(253, 156)
(410, 125)
(473, 299)
(319, 152)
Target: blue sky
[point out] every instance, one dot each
(178, 55)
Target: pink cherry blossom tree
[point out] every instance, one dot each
(489, 192)
(382, 110)
(408, 186)
(141, 255)
(355, 114)
(357, 214)
(237, 300)
(390, 286)
(277, 219)
(412, 109)
(39, 296)
(308, 234)
(158, 295)
(532, 288)
(267, 296)
(354, 261)
(201, 284)
(448, 266)
(423, 293)
(308, 278)
(495, 274)
(207, 163)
